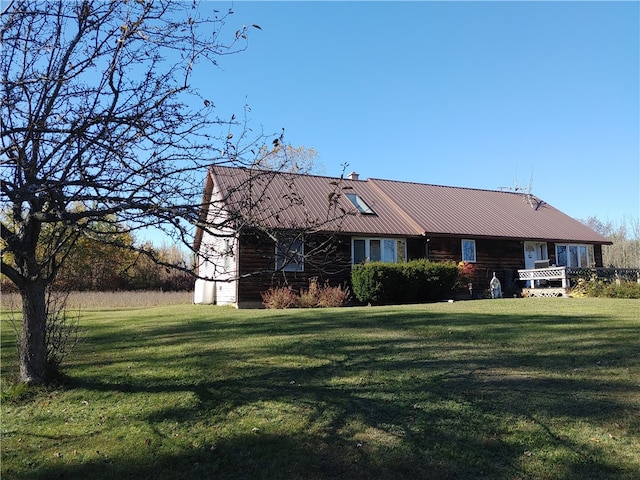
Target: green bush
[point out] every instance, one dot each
(370, 283)
(396, 283)
(599, 288)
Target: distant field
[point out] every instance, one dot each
(535, 389)
(110, 299)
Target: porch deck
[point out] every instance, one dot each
(556, 281)
(543, 282)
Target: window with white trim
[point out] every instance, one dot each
(390, 250)
(469, 251)
(290, 254)
(574, 255)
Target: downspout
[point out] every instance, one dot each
(427, 239)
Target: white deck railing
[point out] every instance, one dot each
(549, 273)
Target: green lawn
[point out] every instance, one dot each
(502, 389)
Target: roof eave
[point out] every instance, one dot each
(204, 211)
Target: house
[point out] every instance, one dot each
(262, 228)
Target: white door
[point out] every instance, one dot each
(534, 251)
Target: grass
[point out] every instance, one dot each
(503, 389)
(109, 299)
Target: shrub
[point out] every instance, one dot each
(410, 282)
(314, 296)
(465, 272)
(309, 298)
(601, 288)
(333, 296)
(278, 297)
(368, 284)
(435, 280)
(379, 283)
(62, 330)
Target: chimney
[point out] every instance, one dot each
(353, 176)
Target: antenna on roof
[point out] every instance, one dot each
(516, 185)
(529, 197)
(527, 192)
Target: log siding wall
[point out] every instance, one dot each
(257, 263)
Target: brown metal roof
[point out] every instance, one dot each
(286, 200)
(485, 213)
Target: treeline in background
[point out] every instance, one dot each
(625, 235)
(95, 266)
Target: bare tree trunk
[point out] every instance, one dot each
(112, 137)
(33, 347)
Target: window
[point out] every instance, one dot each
(227, 254)
(379, 250)
(360, 204)
(574, 255)
(469, 251)
(290, 254)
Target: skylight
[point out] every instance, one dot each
(360, 204)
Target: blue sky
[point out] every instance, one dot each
(471, 94)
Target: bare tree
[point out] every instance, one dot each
(98, 110)
(288, 158)
(625, 235)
